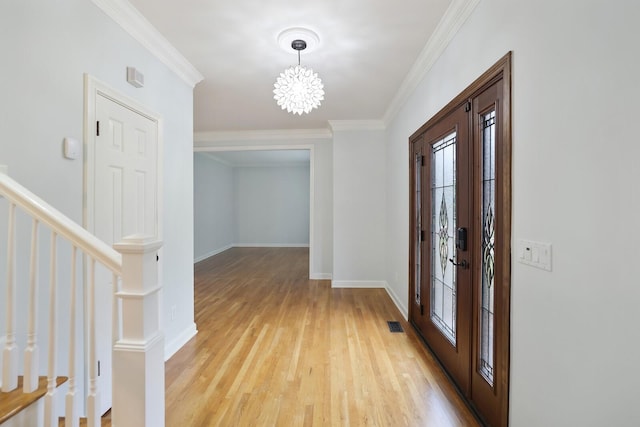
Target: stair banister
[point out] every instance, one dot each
(138, 342)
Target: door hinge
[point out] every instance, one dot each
(422, 160)
(467, 107)
(422, 235)
(421, 309)
(98, 128)
(98, 368)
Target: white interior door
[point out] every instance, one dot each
(125, 165)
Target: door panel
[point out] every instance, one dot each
(445, 287)
(124, 203)
(490, 254)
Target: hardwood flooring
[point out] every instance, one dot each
(277, 349)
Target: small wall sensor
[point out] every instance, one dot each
(71, 148)
(135, 77)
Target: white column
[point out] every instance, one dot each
(138, 355)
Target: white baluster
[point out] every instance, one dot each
(50, 416)
(93, 398)
(115, 327)
(10, 351)
(31, 351)
(71, 417)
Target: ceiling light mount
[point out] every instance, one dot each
(288, 36)
(299, 45)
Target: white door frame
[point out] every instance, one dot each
(92, 89)
(311, 149)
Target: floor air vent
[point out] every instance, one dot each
(394, 326)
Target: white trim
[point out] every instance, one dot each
(139, 346)
(356, 125)
(3, 340)
(354, 284)
(270, 245)
(321, 276)
(454, 17)
(138, 295)
(201, 138)
(273, 165)
(212, 253)
(178, 342)
(312, 179)
(134, 23)
(401, 307)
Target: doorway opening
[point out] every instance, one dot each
(270, 201)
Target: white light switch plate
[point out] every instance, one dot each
(535, 254)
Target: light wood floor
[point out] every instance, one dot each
(277, 349)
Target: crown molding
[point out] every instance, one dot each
(261, 135)
(134, 23)
(356, 125)
(453, 19)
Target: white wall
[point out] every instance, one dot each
(213, 201)
(321, 250)
(574, 339)
(358, 208)
(46, 48)
(271, 205)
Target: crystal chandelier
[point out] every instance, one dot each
(298, 89)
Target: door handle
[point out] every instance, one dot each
(463, 264)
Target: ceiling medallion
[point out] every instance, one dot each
(298, 89)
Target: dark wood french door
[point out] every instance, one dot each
(460, 245)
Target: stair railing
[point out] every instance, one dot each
(138, 343)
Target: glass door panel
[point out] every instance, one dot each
(488, 135)
(443, 224)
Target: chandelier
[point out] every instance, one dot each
(298, 89)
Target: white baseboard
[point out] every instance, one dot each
(3, 340)
(177, 343)
(358, 284)
(212, 253)
(270, 245)
(321, 276)
(403, 309)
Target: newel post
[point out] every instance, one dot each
(138, 354)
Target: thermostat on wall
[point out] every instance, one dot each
(71, 148)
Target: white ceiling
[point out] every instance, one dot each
(366, 49)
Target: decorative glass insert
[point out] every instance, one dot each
(488, 244)
(418, 222)
(443, 222)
